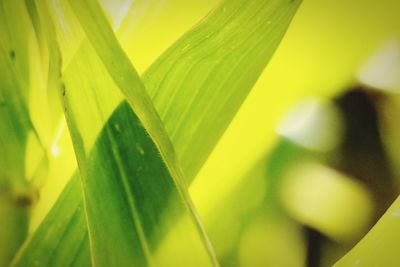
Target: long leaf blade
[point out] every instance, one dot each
(16, 130)
(231, 32)
(68, 245)
(126, 184)
(118, 175)
(200, 82)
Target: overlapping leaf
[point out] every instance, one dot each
(17, 132)
(14, 127)
(66, 239)
(125, 178)
(200, 82)
(260, 42)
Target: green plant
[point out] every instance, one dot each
(139, 141)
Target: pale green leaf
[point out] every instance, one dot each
(14, 33)
(55, 244)
(46, 36)
(16, 194)
(15, 124)
(200, 82)
(380, 246)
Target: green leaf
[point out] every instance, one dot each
(16, 194)
(55, 244)
(200, 82)
(46, 36)
(229, 14)
(117, 187)
(14, 124)
(158, 192)
(380, 246)
(120, 69)
(14, 32)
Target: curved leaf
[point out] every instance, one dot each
(380, 246)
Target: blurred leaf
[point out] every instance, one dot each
(380, 246)
(53, 244)
(316, 42)
(47, 65)
(390, 132)
(316, 196)
(14, 219)
(14, 127)
(16, 195)
(318, 56)
(15, 123)
(269, 239)
(15, 34)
